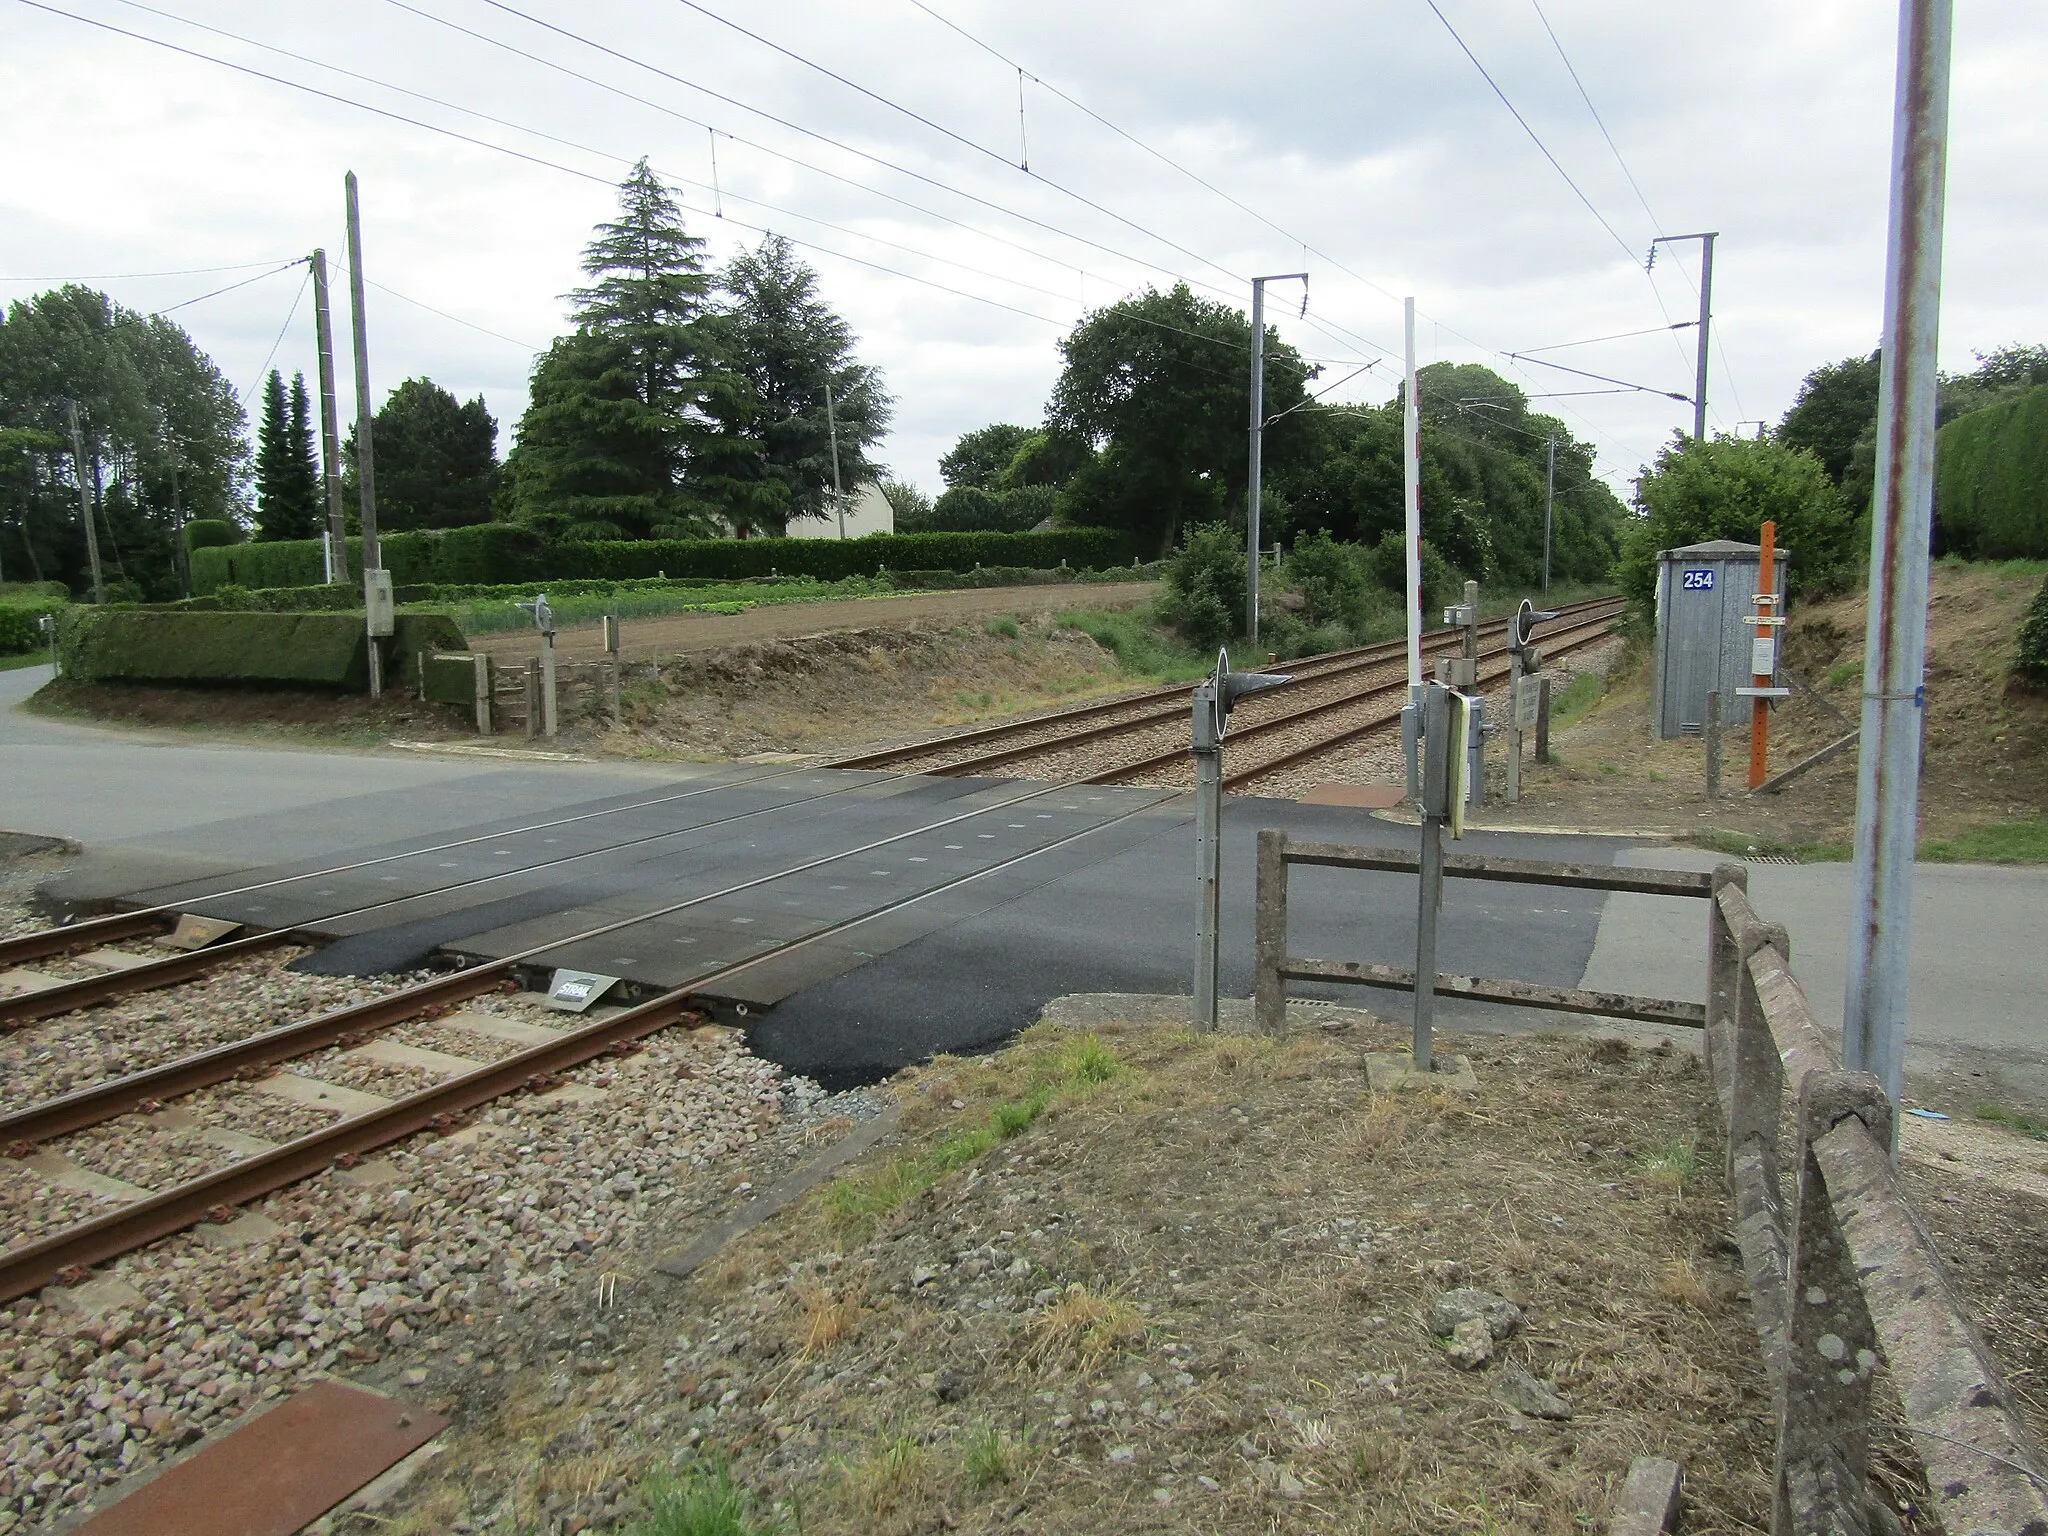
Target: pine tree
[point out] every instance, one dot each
(303, 474)
(788, 347)
(274, 509)
(621, 411)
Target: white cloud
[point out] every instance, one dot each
(1360, 129)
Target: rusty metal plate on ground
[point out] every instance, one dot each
(1361, 797)
(197, 932)
(278, 1472)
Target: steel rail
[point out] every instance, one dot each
(1329, 706)
(106, 930)
(1330, 664)
(26, 1007)
(87, 991)
(68, 1252)
(104, 1101)
(1603, 629)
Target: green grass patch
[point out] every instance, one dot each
(1844, 672)
(701, 1501)
(2013, 1120)
(1142, 649)
(1578, 697)
(989, 1458)
(858, 1201)
(2013, 842)
(497, 615)
(1000, 627)
(32, 659)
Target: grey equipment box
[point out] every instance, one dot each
(1705, 622)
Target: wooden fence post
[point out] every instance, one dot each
(1724, 988)
(1713, 735)
(1270, 933)
(1543, 720)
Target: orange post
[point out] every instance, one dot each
(1766, 610)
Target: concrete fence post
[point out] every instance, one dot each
(1830, 1343)
(1543, 721)
(1713, 735)
(533, 721)
(1724, 988)
(1270, 934)
(484, 686)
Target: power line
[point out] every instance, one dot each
(1534, 138)
(290, 315)
(231, 287)
(1655, 330)
(587, 149)
(1647, 389)
(109, 277)
(918, 117)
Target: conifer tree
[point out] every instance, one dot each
(611, 443)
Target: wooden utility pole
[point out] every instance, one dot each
(1766, 635)
(832, 427)
(366, 473)
(92, 538)
(330, 425)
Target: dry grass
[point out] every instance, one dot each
(1084, 1327)
(1681, 1282)
(829, 1320)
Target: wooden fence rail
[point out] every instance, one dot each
(1842, 1274)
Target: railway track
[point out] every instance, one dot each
(34, 1135)
(1318, 711)
(1078, 724)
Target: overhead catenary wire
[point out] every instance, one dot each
(290, 315)
(111, 277)
(231, 287)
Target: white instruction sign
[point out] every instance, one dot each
(1528, 697)
(1763, 656)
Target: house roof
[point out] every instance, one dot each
(1719, 547)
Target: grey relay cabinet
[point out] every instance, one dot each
(1705, 622)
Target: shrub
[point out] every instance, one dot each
(486, 553)
(1330, 579)
(1991, 481)
(21, 623)
(2030, 661)
(1387, 565)
(1205, 587)
(315, 650)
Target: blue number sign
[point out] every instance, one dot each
(1701, 580)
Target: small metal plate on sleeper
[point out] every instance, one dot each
(196, 932)
(574, 991)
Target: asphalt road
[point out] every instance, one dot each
(1110, 912)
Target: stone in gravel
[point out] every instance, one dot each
(1279, 1480)
(1502, 1317)
(1471, 1344)
(1119, 1454)
(950, 1386)
(1525, 1394)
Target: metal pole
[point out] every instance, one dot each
(92, 538)
(1549, 500)
(1699, 395)
(1208, 856)
(1895, 640)
(1515, 726)
(1767, 608)
(547, 683)
(366, 472)
(1437, 748)
(832, 426)
(1411, 488)
(1251, 492)
(330, 424)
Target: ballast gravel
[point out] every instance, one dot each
(420, 1241)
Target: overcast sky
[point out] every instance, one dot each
(1383, 160)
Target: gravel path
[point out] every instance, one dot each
(465, 1233)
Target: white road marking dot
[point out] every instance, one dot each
(954, 847)
(918, 858)
(985, 835)
(743, 919)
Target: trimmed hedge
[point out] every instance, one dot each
(499, 554)
(2030, 659)
(20, 631)
(1991, 481)
(211, 533)
(311, 650)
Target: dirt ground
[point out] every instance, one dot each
(654, 638)
(1986, 754)
(1119, 1277)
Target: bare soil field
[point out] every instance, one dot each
(654, 638)
(1986, 754)
(1119, 1277)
